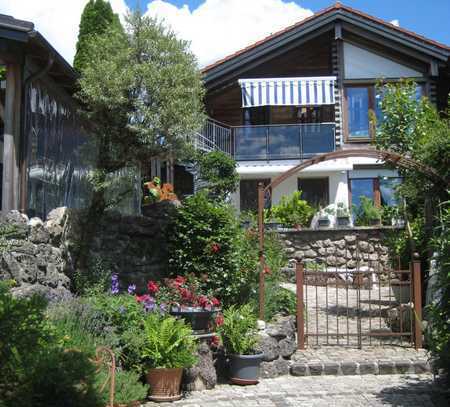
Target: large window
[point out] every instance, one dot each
(315, 191)
(380, 190)
(359, 101)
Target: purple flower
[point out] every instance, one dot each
(150, 304)
(131, 288)
(162, 308)
(115, 284)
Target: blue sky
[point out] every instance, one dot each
(429, 18)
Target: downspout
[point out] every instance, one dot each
(24, 141)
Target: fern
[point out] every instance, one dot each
(167, 343)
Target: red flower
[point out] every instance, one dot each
(215, 247)
(179, 280)
(215, 341)
(186, 295)
(219, 320)
(152, 287)
(267, 270)
(142, 298)
(203, 301)
(215, 302)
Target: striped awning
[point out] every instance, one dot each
(314, 91)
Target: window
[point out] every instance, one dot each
(361, 187)
(380, 190)
(315, 191)
(249, 193)
(358, 104)
(360, 99)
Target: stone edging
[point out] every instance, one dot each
(378, 367)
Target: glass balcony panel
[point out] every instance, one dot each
(317, 139)
(250, 143)
(284, 142)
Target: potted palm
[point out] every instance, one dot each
(166, 347)
(239, 337)
(367, 214)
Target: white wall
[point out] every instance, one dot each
(362, 64)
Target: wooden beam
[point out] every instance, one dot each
(338, 31)
(10, 182)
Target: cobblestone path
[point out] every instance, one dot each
(324, 391)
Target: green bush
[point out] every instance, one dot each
(238, 331)
(35, 370)
(278, 300)
(218, 170)
(205, 242)
(292, 211)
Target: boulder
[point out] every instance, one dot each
(203, 375)
(288, 347)
(269, 347)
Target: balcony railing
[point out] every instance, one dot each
(281, 142)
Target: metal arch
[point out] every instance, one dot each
(388, 156)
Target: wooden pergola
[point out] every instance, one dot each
(393, 158)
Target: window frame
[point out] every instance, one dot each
(376, 189)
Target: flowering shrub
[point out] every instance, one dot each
(179, 292)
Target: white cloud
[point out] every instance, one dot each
(217, 28)
(395, 22)
(56, 20)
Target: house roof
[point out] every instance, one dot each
(334, 12)
(37, 47)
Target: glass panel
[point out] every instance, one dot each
(317, 138)
(314, 191)
(358, 112)
(387, 189)
(284, 142)
(250, 143)
(248, 193)
(361, 187)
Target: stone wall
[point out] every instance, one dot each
(41, 255)
(341, 248)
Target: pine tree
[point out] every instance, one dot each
(97, 16)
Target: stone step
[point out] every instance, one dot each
(363, 367)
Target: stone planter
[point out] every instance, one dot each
(197, 317)
(402, 291)
(343, 221)
(323, 222)
(244, 369)
(165, 384)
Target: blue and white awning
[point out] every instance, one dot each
(314, 91)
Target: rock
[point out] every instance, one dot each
(289, 250)
(322, 251)
(299, 254)
(203, 375)
(269, 347)
(268, 370)
(288, 347)
(327, 243)
(261, 325)
(38, 234)
(34, 222)
(310, 254)
(340, 244)
(57, 216)
(363, 246)
(282, 366)
(350, 238)
(331, 250)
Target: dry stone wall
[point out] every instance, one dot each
(337, 248)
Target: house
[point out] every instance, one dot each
(309, 89)
(42, 164)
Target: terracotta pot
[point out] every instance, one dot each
(165, 384)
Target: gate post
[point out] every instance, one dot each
(261, 249)
(299, 276)
(417, 300)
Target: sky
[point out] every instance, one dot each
(216, 28)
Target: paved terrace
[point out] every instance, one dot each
(324, 391)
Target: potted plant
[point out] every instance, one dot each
(154, 192)
(367, 214)
(166, 347)
(239, 337)
(324, 218)
(183, 297)
(342, 215)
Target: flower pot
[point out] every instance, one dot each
(197, 317)
(165, 384)
(273, 225)
(375, 222)
(402, 291)
(343, 221)
(244, 369)
(324, 222)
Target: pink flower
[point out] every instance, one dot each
(152, 287)
(219, 320)
(142, 298)
(215, 247)
(203, 301)
(179, 281)
(215, 341)
(215, 302)
(267, 270)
